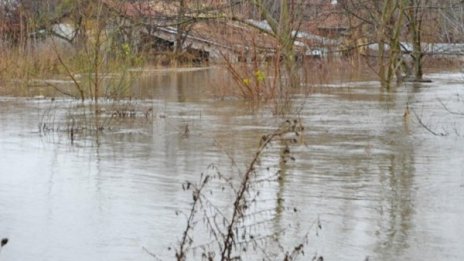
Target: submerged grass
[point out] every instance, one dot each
(79, 121)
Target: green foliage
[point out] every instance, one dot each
(260, 77)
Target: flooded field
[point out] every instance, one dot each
(379, 183)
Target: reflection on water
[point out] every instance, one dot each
(378, 183)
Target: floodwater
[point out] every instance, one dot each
(380, 185)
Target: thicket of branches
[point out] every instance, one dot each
(388, 24)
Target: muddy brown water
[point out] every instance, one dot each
(379, 184)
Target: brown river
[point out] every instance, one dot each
(367, 182)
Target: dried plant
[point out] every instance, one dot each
(233, 229)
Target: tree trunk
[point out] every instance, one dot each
(415, 18)
(178, 48)
(287, 43)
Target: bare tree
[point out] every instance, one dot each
(283, 27)
(452, 20)
(384, 20)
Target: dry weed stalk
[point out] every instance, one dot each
(233, 234)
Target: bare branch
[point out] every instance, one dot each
(449, 110)
(427, 128)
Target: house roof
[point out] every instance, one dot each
(226, 34)
(329, 17)
(234, 35)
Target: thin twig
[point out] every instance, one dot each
(419, 120)
(449, 110)
(181, 252)
(151, 254)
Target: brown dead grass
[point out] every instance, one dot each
(22, 65)
(23, 70)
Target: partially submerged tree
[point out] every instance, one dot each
(398, 28)
(385, 21)
(283, 26)
(414, 15)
